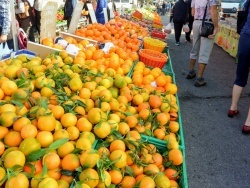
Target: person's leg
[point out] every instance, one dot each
(237, 90)
(32, 33)
(242, 71)
(177, 30)
(194, 51)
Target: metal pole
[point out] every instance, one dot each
(13, 24)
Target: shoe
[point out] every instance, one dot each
(177, 44)
(199, 82)
(245, 129)
(190, 41)
(232, 113)
(191, 74)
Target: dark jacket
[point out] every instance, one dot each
(180, 12)
(191, 18)
(68, 9)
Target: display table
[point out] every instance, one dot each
(227, 38)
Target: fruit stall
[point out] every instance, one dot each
(227, 37)
(97, 108)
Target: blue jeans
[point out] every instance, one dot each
(243, 65)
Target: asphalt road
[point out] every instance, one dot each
(217, 154)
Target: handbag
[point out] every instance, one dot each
(242, 18)
(207, 27)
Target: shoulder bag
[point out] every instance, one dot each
(207, 27)
(242, 18)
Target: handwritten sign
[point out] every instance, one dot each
(91, 12)
(48, 20)
(75, 17)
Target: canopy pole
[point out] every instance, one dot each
(13, 24)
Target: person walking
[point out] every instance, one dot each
(179, 15)
(27, 21)
(202, 47)
(242, 71)
(190, 21)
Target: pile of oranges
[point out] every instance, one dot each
(54, 110)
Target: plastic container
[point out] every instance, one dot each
(14, 54)
(158, 34)
(154, 44)
(153, 58)
(168, 66)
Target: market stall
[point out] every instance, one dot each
(104, 115)
(227, 37)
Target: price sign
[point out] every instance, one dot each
(91, 12)
(75, 17)
(48, 20)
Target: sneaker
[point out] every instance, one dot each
(199, 82)
(177, 44)
(191, 74)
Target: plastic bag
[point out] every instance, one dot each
(168, 28)
(186, 28)
(4, 49)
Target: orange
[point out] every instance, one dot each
(155, 101)
(89, 159)
(90, 177)
(65, 149)
(13, 138)
(8, 118)
(151, 169)
(175, 156)
(171, 173)
(117, 145)
(116, 176)
(144, 114)
(120, 158)
(52, 160)
(48, 182)
(163, 118)
(137, 99)
(62, 184)
(14, 158)
(3, 132)
(19, 179)
(73, 132)
(174, 126)
(28, 130)
(161, 180)
(60, 133)
(95, 115)
(102, 129)
(70, 162)
(137, 169)
(159, 133)
(37, 165)
(157, 159)
(123, 128)
(103, 151)
(2, 148)
(83, 124)
(57, 111)
(66, 178)
(83, 144)
(46, 123)
(128, 182)
(45, 138)
(68, 119)
(147, 182)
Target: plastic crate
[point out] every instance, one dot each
(168, 66)
(153, 58)
(161, 147)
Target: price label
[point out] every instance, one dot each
(75, 17)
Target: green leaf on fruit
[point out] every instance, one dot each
(58, 143)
